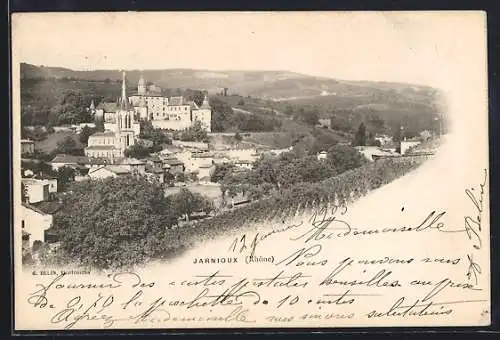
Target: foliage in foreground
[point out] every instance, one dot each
(114, 222)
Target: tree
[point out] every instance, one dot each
(99, 125)
(85, 134)
(169, 178)
(425, 135)
(360, 137)
(310, 117)
(64, 175)
(222, 115)
(237, 137)
(180, 177)
(186, 203)
(157, 136)
(69, 146)
(137, 151)
(195, 133)
(193, 176)
(114, 222)
(220, 172)
(344, 157)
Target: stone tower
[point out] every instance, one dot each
(141, 87)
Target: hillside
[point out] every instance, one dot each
(273, 85)
(384, 106)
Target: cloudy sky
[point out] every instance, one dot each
(424, 48)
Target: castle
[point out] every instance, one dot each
(174, 113)
(122, 119)
(121, 130)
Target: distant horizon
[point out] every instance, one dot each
(231, 70)
(425, 48)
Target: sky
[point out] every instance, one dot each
(427, 48)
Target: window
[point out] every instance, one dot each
(22, 224)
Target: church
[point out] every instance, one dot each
(121, 130)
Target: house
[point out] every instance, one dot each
(49, 207)
(155, 174)
(243, 164)
(219, 160)
(194, 160)
(108, 171)
(63, 128)
(325, 122)
(174, 166)
(51, 181)
(78, 128)
(250, 154)
(68, 160)
(170, 150)
(78, 162)
(34, 223)
(374, 152)
(154, 162)
(190, 145)
(408, 144)
(383, 139)
(27, 146)
(277, 152)
(322, 155)
(133, 165)
(27, 173)
(36, 190)
(96, 162)
(205, 171)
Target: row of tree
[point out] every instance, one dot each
(277, 173)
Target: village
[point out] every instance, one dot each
(178, 165)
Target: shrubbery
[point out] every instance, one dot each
(114, 222)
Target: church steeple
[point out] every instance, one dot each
(124, 103)
(124, 86)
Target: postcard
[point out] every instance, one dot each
(250, 170)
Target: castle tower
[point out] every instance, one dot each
(205, 104)
(141, 87)
(204, 115)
